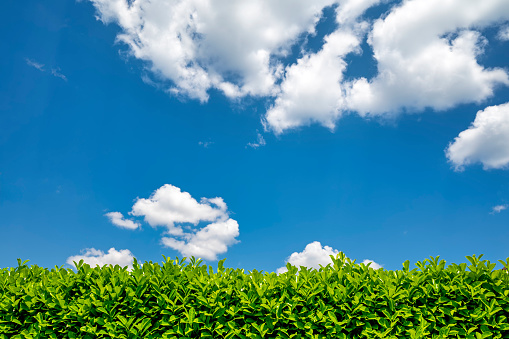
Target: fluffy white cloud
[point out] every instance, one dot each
(235, 47)
(207, 242)
(222, 44)
(311, 90)
(169, 206)
(427, 52)
(95, 257)
(485, 141)
(499, 208)
(314, 255)
(349, 11)
(118, 219)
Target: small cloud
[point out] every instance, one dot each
(498, 208)
(315, 255)
(35, 64)
(118, 219)
(95, 257)
(486, 141)
(260, 142)
(503, 34)
(56, 72)
(205, 144)
(147, 80)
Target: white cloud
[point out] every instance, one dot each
(223, 44)
(118, 219)
(503, 33)
(169, 206)
(208, 242)
(499, 208)
(95, 257)
(311, 90)
(35, 64)
(314, 255)
(350, 10)
(235, 47)
(485, 141)
(427, 52)
(260, 142)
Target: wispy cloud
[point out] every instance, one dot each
(498, 208)
(35, 64)
(260, 142)
(147, 80)
(54, 71)
(503, 33)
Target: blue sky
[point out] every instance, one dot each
(259, 132)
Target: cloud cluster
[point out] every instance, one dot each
(231, 46)
(314, 255)
(426, 52)
(170, 207)
(486, 141)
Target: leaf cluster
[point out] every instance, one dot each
(346, 300)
